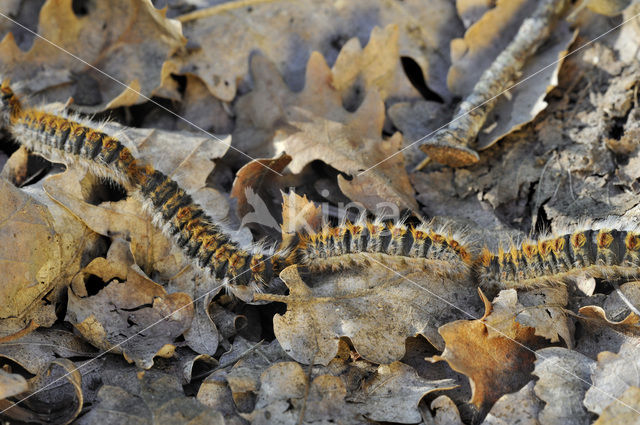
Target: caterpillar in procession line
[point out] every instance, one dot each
(605, 249)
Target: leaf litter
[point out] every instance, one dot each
(320, 91)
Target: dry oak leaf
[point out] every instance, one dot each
(313, 125)
(157, 399)
(135, 41)
(355, 72)
(287, 32)
(542, 310)
(613, 375)
(349, 142)
(42, 246)
(563, 379)
(128, 306)
(622, 411)
(375, 307)
(495, 364)
(522, 407)
(392, 394)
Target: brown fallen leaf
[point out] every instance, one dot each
(495, 364)
(254, 185)
(156, 398)
(424, 34)
(134, 49)
(351, 303)
(563, 378)
(42, 248)
(377, 66)
(126, 315)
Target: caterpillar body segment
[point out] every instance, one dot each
(599, 251)
(201, 240)
(423, 247)
(64, 140)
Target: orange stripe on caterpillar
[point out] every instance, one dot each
(600, 252)
(399, 246)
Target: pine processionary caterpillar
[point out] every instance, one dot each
(606, 249)
(419, 247)
(597, 250)
(68, 141)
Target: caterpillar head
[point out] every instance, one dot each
(9, 104)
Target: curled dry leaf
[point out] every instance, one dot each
(601, 334)
(156, 399)
(614, 374)
(477, 52)
(131, 315)
(299, 214)
(254, 185)
(497, 362)
(564, 376)
(483, 42)
(287, 33)
(373, 306)
(41, 248)
(55, 396)
(134, 49)
(446, 411)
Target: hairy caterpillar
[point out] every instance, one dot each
(598, 250)
(66, 140)
(424, 246)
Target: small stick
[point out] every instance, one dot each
(450, 145)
